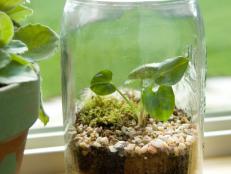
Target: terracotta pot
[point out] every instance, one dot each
(12, 152)
(19, 108)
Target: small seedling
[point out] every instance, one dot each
(102, 84)
(157, 79)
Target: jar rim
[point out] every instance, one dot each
(133, 2)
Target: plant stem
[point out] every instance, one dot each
(142, 111)
(125, 98)
(129, 103)
(141, 117)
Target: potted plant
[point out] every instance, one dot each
(126, 131)
(21, 46)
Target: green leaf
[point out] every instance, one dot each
(16, 47)
(6, 5)
(40, 40)
(134, 84)
(20, 13)
(101, 83)
(172, 70)
(160, 104)
(147, 71)
(4, 59)
(168, 72)
(20, 60)
(43, 117)
(6, 29)
(16, 72)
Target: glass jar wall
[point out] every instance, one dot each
(133, 75)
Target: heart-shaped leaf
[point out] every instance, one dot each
(4, 59)
(160, 104)
(101, 83)
(168, 72)
(40, 40)
(6, 5)
(172, 70)
(16, 72)
(147, 71)
(20, 13)
(6, 29)
(16, 47)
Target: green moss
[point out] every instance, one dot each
(102, 111)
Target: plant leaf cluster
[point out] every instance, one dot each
(158, 98)
(21, 46)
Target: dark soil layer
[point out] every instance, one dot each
(102, 161)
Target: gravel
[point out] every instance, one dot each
(175, 136)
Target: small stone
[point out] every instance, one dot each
(112, 149)
(138, 150)
(133, 122)
(83, 145)
(151, 149)
(89, 129)
(96, 144)
(78, 138)
(170, 140)
(147, 139)
(92, 135)
(182, 146)
(137, 140)
(124, 129)
(151, 120)
(154, 127)
(157, 143)
(131, 132)
(189, 139)
(120, 145)
(129, 148)
(102, 140)
(149, 129)
(184, 120)
(160, 128)
(144, 149)
(181, 139)
(99, 129)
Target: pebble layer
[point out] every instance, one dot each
(174, 137)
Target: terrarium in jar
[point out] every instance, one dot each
(133, 75)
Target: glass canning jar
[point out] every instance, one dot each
(133, 79)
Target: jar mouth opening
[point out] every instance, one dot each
(132, 2)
